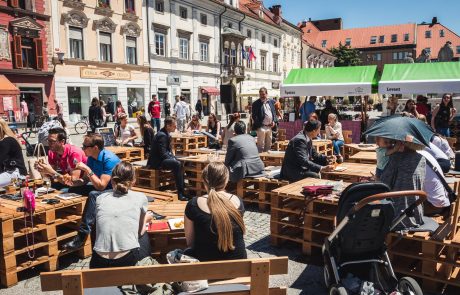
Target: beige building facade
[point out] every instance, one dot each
(100, 52)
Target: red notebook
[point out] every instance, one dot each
(315, 190)
(156, 226)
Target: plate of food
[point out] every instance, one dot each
(44, 190)
(176, 223)
(340, 169)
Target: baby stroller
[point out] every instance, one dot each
(29, 146)
(355, 254)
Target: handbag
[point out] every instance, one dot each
(178, 256)
(29, 209)
(38, 155)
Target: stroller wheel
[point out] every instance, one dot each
(338, 290)
(409, 286)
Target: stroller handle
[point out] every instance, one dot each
(391, 195)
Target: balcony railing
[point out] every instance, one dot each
(233, 71)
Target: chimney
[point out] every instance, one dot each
(304, 24)
(434, 20)
(276, 10)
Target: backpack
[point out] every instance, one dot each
(43, 131)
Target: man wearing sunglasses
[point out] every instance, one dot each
(97, 175)
(62, 157)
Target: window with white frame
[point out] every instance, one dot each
(263, 60)
(263, 38)
(324, 43)
(373, 39)
(382, 39)
(130, 6)
(233, 54)
(204, 50)
(348, 42)
(458, 49)
(76, 42)
(275, 63)
(406, 37)
(160, 6)
(183, 12)
(394, 38)
(441, 33)
(275, 42)
(160, 44)
(131, 50)
(249, 33)
(105, 46)
(428, 34)
(183, 48)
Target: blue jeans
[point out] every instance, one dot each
(89, 213)
(443, 131)
(337, 145)
(156, 122)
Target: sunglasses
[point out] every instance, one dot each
(86, 146)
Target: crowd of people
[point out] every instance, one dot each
(214, 225)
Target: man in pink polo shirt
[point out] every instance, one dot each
(62, 158)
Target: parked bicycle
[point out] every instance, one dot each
(81, 127)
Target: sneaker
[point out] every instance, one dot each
(182, 197)
(339, 160)
(77, 242)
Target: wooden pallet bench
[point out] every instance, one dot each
(193, 168)
(53, 225)
(364, 158)
(259, 270)
(349, 149)
(154, 179)
(182, 143)
(126, 153)
(258, 190)
(272, 158)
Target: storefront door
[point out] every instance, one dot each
(110, 96)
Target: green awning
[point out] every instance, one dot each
(339, 81)
(438, 77)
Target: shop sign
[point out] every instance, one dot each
(7, 103)
(92, 73)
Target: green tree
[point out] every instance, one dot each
(346, 56)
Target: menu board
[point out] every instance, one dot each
(108, 135)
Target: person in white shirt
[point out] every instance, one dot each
(433, 186)
(125, 133)
(182, 112)
(334, 133)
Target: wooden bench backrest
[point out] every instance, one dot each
(347, 136)
(455, 211)
(74, 282)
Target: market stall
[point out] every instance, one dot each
(417, 78)
(9, 97)
(341, 81)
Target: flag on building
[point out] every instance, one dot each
(243, 53)
(251, 54)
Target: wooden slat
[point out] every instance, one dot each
(95, 278)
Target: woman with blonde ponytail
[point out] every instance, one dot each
(120, 216)
(214, 226)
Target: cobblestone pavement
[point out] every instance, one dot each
(302, 278)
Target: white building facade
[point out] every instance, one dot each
(100, 53)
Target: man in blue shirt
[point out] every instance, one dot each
(307, 108)
(97, 175)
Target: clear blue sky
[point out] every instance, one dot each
(366, 13)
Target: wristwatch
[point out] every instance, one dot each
(90, 174)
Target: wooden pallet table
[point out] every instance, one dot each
(258, 190)
(193, 168)
(305, 221)
(181, 143)
(126, 153)
(431, 258)
(349, 149)
(159, 196)
(364, 158)
(204, 151)
(354, 172)
(163, 241)
(53, 225)
(272, 158)
(154, 179)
